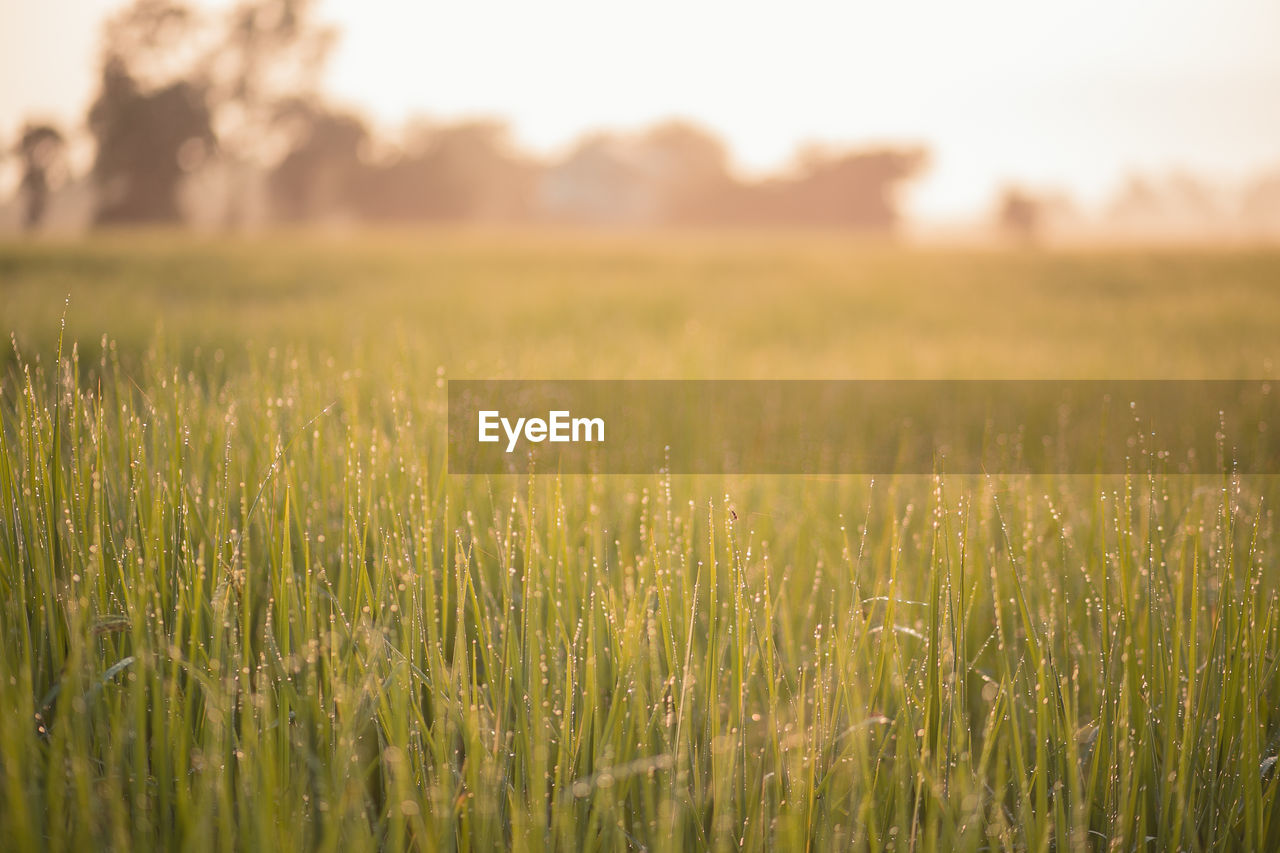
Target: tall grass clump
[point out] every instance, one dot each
(249, 609)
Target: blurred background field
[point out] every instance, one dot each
(573, 304)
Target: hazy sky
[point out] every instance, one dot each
(1064, 94)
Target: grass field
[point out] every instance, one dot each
(243, 605)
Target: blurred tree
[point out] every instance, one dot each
(688, 168)
(39, 147)
(174, 89)
(1172, 206)
(156, 41)
(1020, 216)
(322, 172)
(677, 173)
(147, 141)
(151, 123)
(268, 56)
(857, 189)
(466, 172)
(853, 189)
(602, 181)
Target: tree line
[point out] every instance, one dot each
(182, 91)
